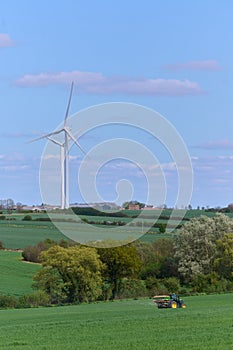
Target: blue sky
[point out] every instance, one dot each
(172, 56)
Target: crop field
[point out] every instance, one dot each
(15, 275)
(206, 324)
(17, 234)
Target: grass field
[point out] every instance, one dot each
(15, 275)
(17, 234)
(206, 324)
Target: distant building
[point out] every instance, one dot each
(32, 208)
(39, 208)
(149, 207)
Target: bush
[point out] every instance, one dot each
(172, 284)
(162, 228)
(158, 288)
(211, 283)
(27, 218)
(163, 286)
(1, 245)
(35, 299)
(32, 253)
(8, 302)
(2, 217)
(131, 288)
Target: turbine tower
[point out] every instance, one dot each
(64, 153)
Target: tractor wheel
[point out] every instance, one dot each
(183, 306)
(173, 305)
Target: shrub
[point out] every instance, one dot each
(172, 284)
(8, 302)
(162, 286)
(131, 288)
(211, 283)
(158, 288)
(32, 253)
(162, 228)
(35, 299)
(27, 218)
(3, 217)
(1, 245)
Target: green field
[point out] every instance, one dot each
(206, 324)
(15, 275)
(17, 234)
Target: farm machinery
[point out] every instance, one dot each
(171, 301)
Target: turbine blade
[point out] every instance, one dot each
(68, 106)
(75, 141)
(49, 138)
(55, 141)
(46, 135)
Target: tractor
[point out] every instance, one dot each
(171, 301)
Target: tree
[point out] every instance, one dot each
(49, 281)
(162, 228)
(195, 244)
(32, 253)
(27, 218)
(120, 262)
(72, 273)
(19, 207)
(157, 258)
(126, 204)
(7, 204)
(223, 263)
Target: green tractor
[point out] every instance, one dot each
(171, 301)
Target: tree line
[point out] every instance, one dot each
(198, 259)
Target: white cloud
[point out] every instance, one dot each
(97, 83)
(13, 157)
(16, 162)
(207, 65)
(5, 40)
(213, 166)
(13, 167)
(216, 144)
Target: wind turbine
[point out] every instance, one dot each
(64, 155)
